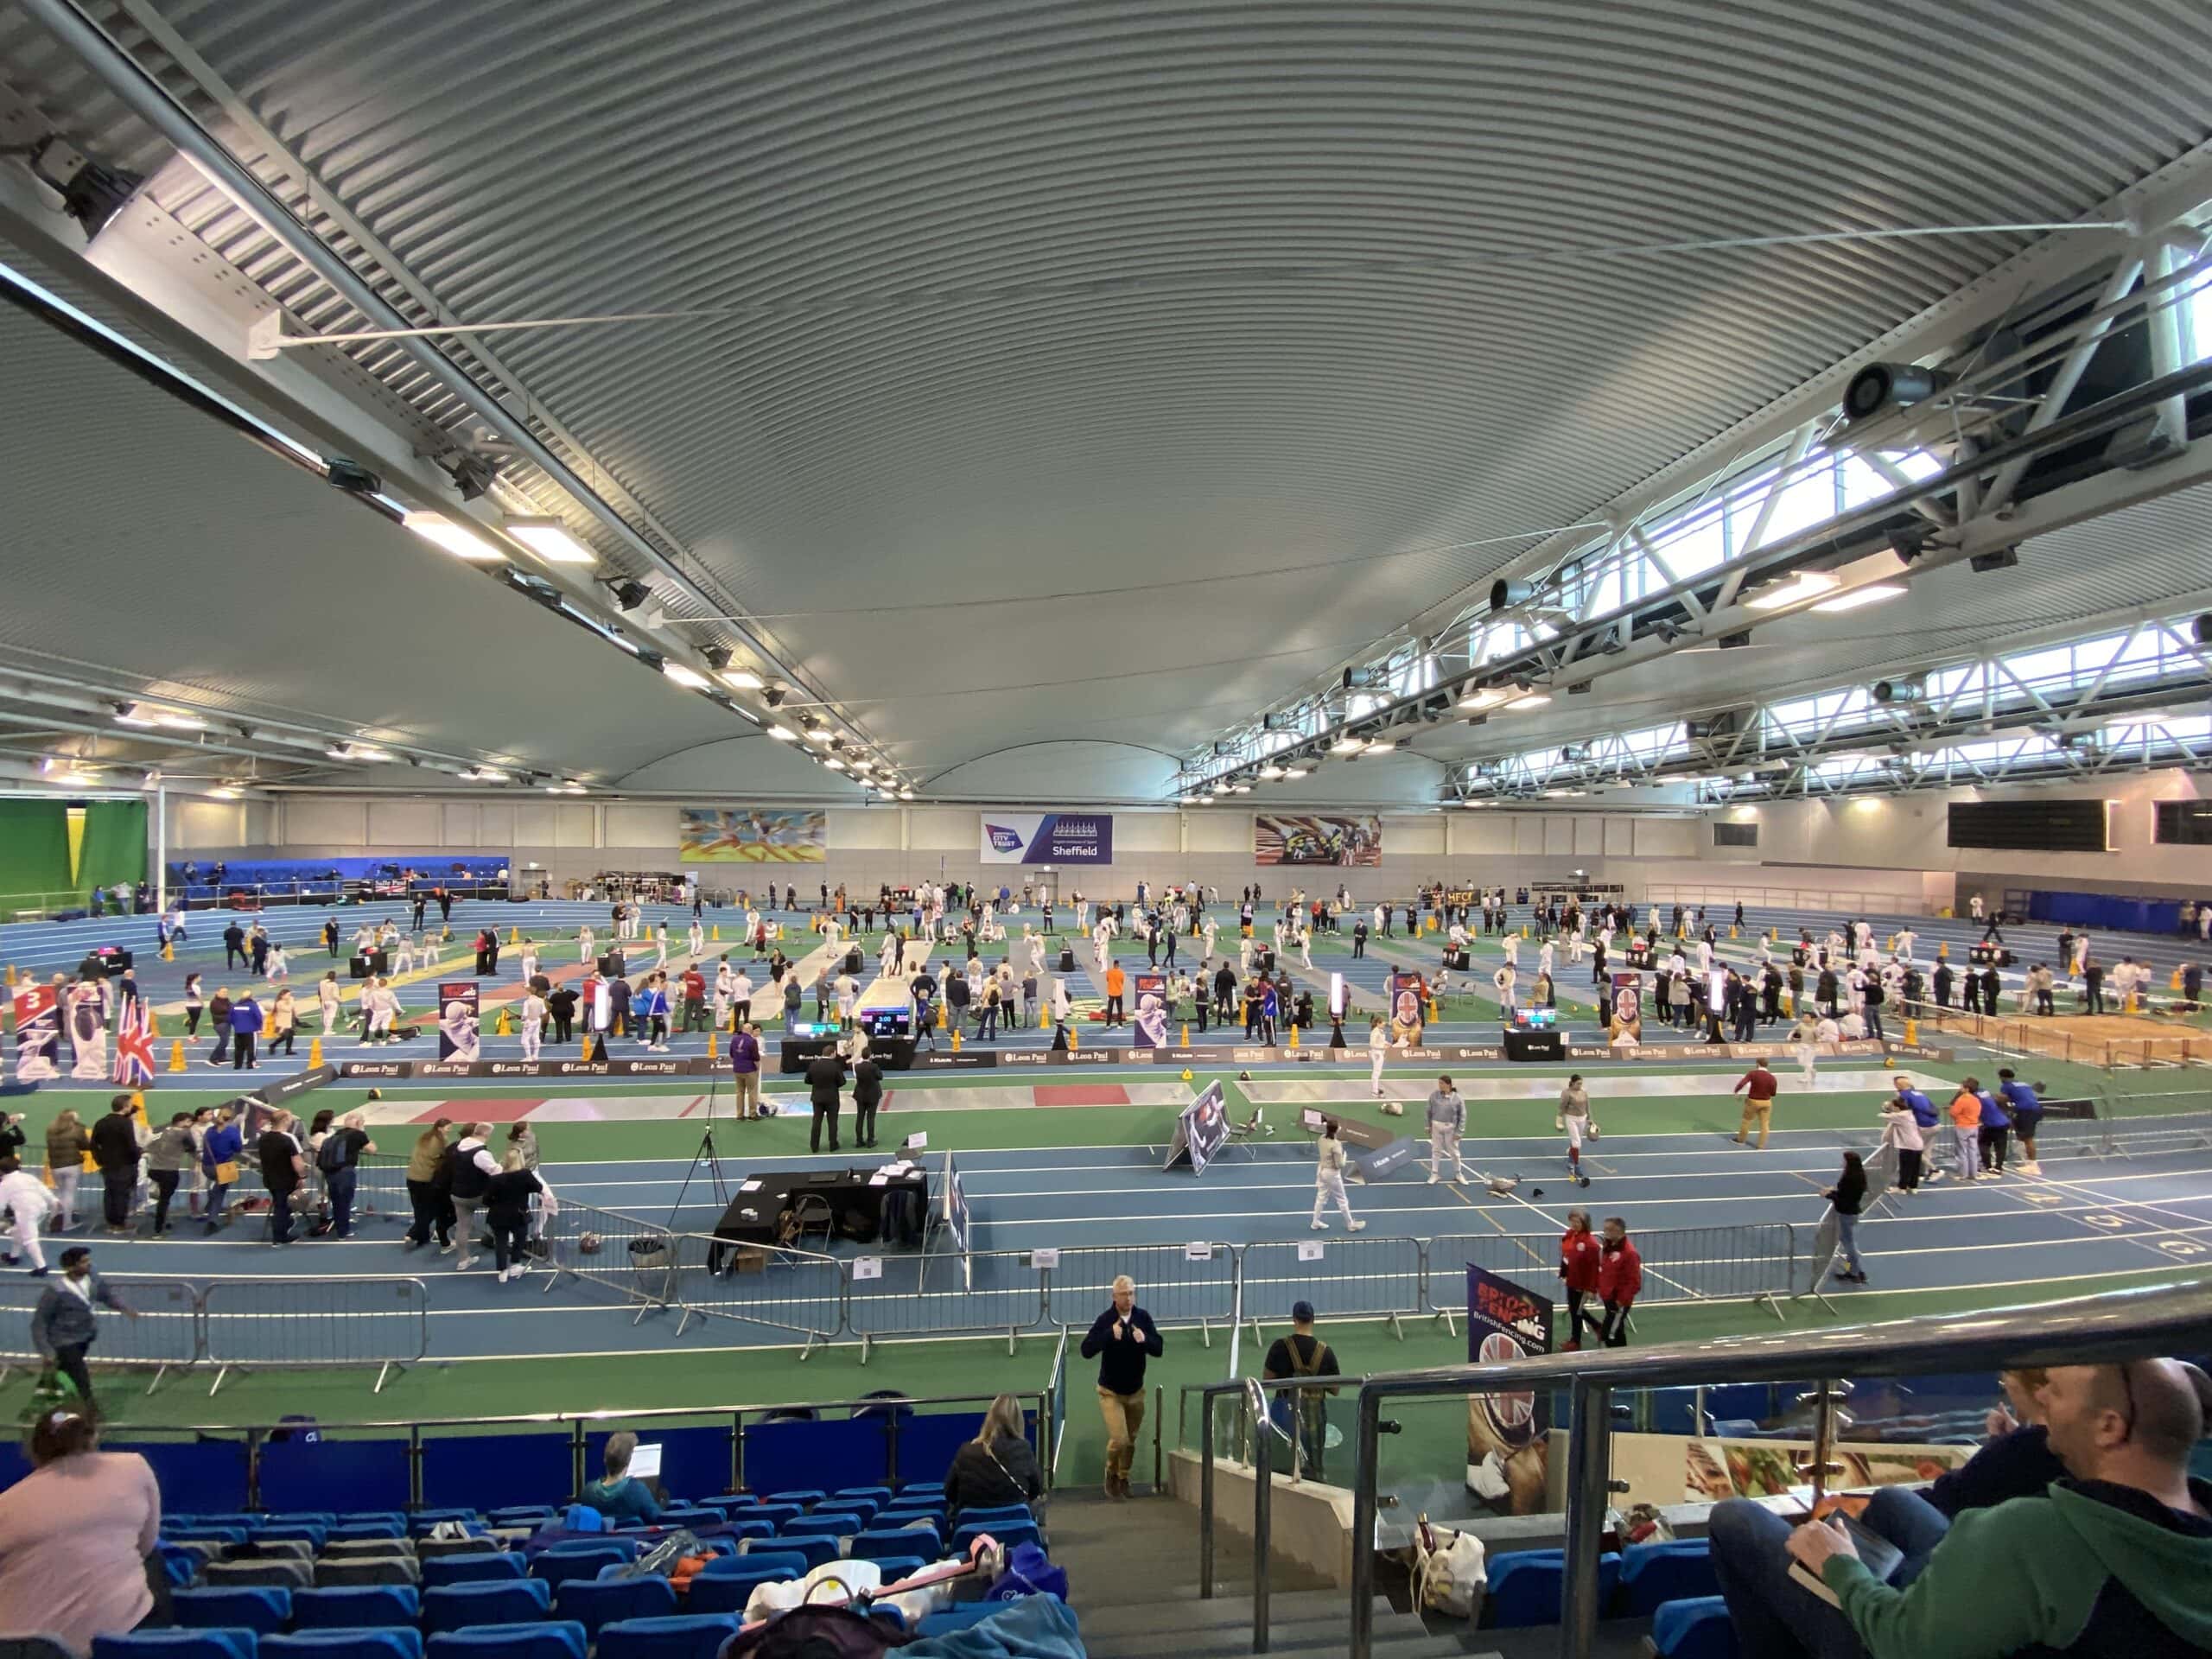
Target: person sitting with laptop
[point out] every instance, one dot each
(621, 1496)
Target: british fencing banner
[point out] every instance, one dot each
(1507, 1447)
(459, 1033)
(1152, 1009)
(1409, 1000)
(84, 1010)
(1046, 837)
(38, 1035)
(134, 1045)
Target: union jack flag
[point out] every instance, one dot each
(134, 1045)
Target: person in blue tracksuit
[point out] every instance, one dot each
(1925, 1114)
(2025, 1107)
(1996, 1134)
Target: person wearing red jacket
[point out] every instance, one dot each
(1579, 1258)
(1620, 1276)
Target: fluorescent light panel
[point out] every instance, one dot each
(1805, 584)
(550, 540)
(457, 538)
(1872, 594)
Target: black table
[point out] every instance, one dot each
(856, 1205)
(1547, 1043)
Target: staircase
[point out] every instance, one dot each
(1133, 1581)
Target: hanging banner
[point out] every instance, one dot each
(1046, 838)
(84, 1015)
(1508, 1443)
(459, 1031)
(1152, 1009)
(707, 835)
(38, 1035)
(1283, 838)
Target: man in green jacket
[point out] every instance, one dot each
(2117, 1559)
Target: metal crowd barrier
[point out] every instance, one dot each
(772, 1286)
(620, 1257)
(1753, 1262)
(166, 1336)
(1181, 1285)
(293, 1323)
(1360, 1278)
(985, 1292)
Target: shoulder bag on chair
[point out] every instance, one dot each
(1449, 1572)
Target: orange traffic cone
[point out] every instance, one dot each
(314, 1053)
(711, 1050)
(176, 1055)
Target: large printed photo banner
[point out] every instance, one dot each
(709, 834)
(1152, 1009)
(1046, 837)
(38, 1036)
(460, 1022)
(1304, 838)
(1508, 1434)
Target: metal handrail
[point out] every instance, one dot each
(2153, 1320)
(1246, 1391)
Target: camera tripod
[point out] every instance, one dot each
(706, 1154)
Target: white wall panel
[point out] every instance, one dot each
(461, 826)
(1667, 837)
(863, 830)
(945, 829)
(1489, 834)
(1414, 837)
(1589, 837)
(1559, 834)
(1528, 833)
(1620, 837)
(1144, 832)
(1221, 832)
(405, 825)
(194, 825)
(534, 821)
(642, 825)
(495, 824)
(311, 820)
(577, 826)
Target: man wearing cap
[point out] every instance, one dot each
(63, 1325)
(1301, 1353)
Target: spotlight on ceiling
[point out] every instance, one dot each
(773, 693)
(1505, 596)
(351, 477)
(472, 475)
(716, 657)
(629, 595)
(2000, 559)
(1897, 690)
(91, 194)
(2203, 628)
(1890, 386)
(1908, 542)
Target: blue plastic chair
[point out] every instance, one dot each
(688, 1515)
(920, 1488)
(874, 1544)
(1008, 1533)
(1525, 1586)
(594, 1541)
(179, 1644)
(802, 1497)
(743, 1527)
(311, 1532)
(775, 1514)
(372, 1518)
(595, 1602)
(1697, 1629)
(817, 1548)
(831, 1523)
(900, 1513)
(729, 1594)
(303, 1518)
(203, 1532)
(880, 1494)
(548, 1639)
(393, 1642)
(486, 1567)
(422, 1520)
(1652, 1575)
(258, 1607)
(382, 1527)
(998, 1512)
(688, 1635)
(791, 1563)
(556, 1567)
(521, 1514)
(457, 1606)
(356, 1607)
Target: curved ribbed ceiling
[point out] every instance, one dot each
(1052, 298)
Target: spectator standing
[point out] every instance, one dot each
(246, 1025)
(67, 1142)
(283, 1166)
(433, 1213)
(220, 1148)
(506, 1206)
(1329, 1179)
(1996, 1136)
(1302, 1354)
(618, 1495)
(867, 1095)
(1759, 1087)
(1848, 1196)
(745, 1069)
(825, 1077)
(994, 1469)
(2025, 1107)
(28, 1203)
(1901, 1129)
(77, 1536)
(1965, 1113)
(1120, 1339)
(1620, 1278)
(1579, 1255)
(63, 1325)
(115, 1149)
(465, 1176)
(1447, 1116)
(169, 1156)
(339, 1158)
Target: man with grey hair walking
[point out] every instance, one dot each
(1120, 1339)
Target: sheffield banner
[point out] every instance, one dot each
(38, 1035)
(459, 1031)
(1046, 837)
(1507, 1447)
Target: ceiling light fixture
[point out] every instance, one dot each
(818, 733)
(550, 540)
(1804, 585)
(834, 762)
(132, 713)
(783, 734)
(1289, 773)
(456, 538)
(1532, 700)
(1348, 745)
(1271, 772)
(743, 679)
(685, 675)
(906, 794)
(1872, 594)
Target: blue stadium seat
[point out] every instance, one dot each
(730, 1504)
(594, 1541)
(776, 1514)
(817, 1548)
(880, 1494)
(688, 1515)
(874, 1544)
(456, 1606)
(921, 1488)
(281, 1571)
(259, 1608)
(302, 1517)
(832, 1523)
(594, 1602)
(393, 1642)
(1697, 1629)
(1008, 1533)
(486, 1566)
(1679, 1570)
(895, 1568)
(548, 1639)
(729, 1595)
(422, 1520)
(181, 1562)
(802, 1498)
(691, 1636)
(355, 1531)
(561, 1563)
(790, 1563)
(1525, 1586)
(521, 1514)
(178, 1644)
(311, 1532)
(900, 1513)
(356, 1607)
(354, 1570)
(745, 1527)
(203, 1532)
